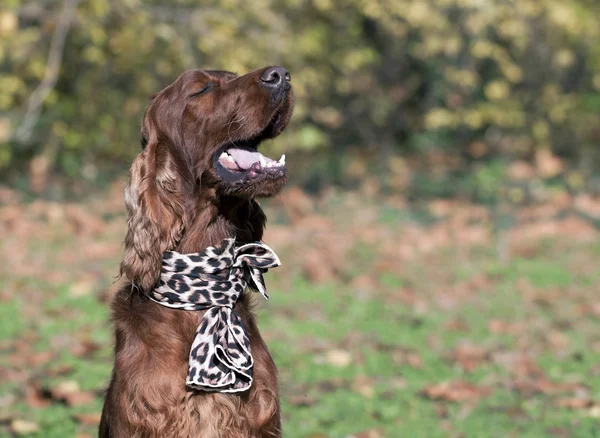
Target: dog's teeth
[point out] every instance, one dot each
(224, 155)
(262, 161)
(282, 160)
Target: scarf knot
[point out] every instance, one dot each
(213, 280)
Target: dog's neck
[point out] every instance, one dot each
(214, 218)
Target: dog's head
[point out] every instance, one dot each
(215, 121)
(201, 135)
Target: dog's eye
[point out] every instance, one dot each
(202, 90)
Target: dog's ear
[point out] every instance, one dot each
(155, 212)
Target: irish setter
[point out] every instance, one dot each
(193, 185)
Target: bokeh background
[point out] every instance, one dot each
(439, 236)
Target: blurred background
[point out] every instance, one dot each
(439, 237)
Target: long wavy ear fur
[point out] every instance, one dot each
(155, 213)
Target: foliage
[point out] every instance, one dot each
(374, 79)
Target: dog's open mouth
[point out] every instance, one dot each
(242, 162)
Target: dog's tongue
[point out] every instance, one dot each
(245, 159)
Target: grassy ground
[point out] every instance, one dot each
(372, 340)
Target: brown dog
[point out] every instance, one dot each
(194, 185)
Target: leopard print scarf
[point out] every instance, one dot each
(213, 280)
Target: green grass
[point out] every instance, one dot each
(373, 386)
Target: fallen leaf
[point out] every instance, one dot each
(60, 370)
(458, 392)
(65, 387)
(499, 327)
(560, 432)
(371, 433)
(364, 386)
(528, 387)
(594, 412)
(89, 419)
(469, 356)
(85, 348)
(35, 397)
(573, 403)
(547, 164)
(407, 356)
(82, 288)
(302, 400)
(557, 340)
(457, 325)
(520, 171)
(330, 385)
(6, 400)
(339, 358)
(296, 204)
(22, 427)
(40, 357)
(69, 393)
(79, 398)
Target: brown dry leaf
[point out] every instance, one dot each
(364, 284)
(371, 433)
(316, 267)
(560, 432)
(520, 171)
(414, 360)
(457, 325)
(35, 397)
(89, 419)
(339, 358)
(79, 398)
(9, 196)
(82, 288)
(557, 340)
(406, 356)
(302, 400)
(60, 370)
(573, 403)
(547, 164)
(364, 386)
(22, 427)
(528, 387)
(458, 392)
(594, 412)
(330, 385)
(84, 348)
(40, 357)
(469, 356)
(477, 149)
(588, 204)
(517, 364)
(83, 221)
(296, 204)
(442, 207)
(69, 392)
(499, 327)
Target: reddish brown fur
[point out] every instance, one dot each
(176, 201)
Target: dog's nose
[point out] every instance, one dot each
(276, 78)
